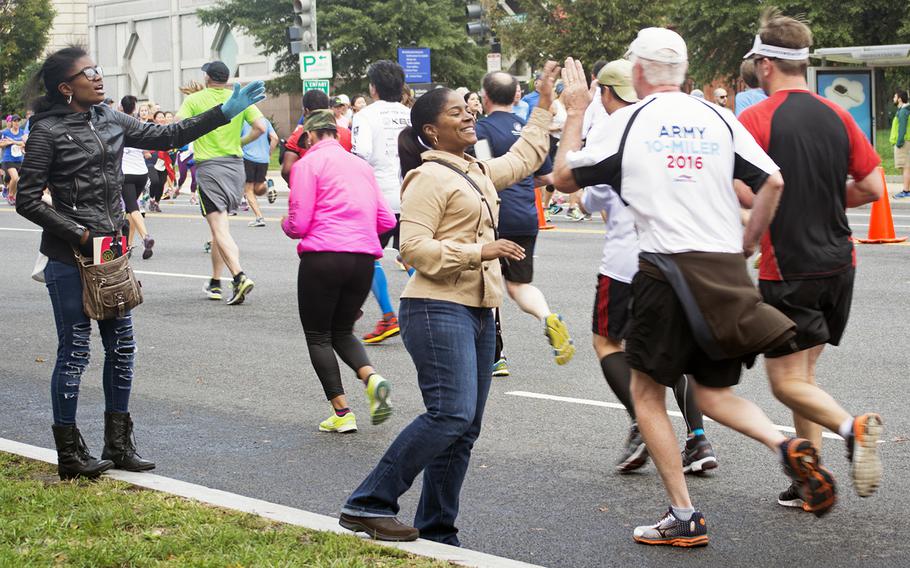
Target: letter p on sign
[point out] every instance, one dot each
(316, 65)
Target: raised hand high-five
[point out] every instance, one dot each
(576, 95)
(242, 98)
(547, 87)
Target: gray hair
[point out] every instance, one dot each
(659, 74)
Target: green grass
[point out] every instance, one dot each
(45, 522)
(886, 152)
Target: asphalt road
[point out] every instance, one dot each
(225, 396)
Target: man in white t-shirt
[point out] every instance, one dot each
(618, 266)
(673, 158)
(374, 134)
(595, 111)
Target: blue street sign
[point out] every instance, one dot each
(416, 64)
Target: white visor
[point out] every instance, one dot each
(759, 48)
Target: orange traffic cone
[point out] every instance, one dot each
(881, 225)
(541, 219)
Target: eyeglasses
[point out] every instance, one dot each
(90, 73)
(722, 97)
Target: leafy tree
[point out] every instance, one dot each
(585, 29)
(265, 21)
(719, 33)
(359, 32)
(24, 27)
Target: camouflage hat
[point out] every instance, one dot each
(322, 119)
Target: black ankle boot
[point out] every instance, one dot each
(73, 459)
(119, 445)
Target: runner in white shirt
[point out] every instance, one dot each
(595, 111)
(374, 134)
(673, 159)
(135, 178)
(614, 293)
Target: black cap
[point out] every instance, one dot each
(218, 71)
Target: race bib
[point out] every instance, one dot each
(16, 151)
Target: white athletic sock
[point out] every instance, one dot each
(846, 428)
(681, 513)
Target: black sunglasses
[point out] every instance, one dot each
(90, 73)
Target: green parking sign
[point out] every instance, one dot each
(316, 64)
(316, 84)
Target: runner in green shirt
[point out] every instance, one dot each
(220, 175)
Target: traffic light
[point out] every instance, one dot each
(476, 26)
(302, 35)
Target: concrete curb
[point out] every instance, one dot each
(273, 511)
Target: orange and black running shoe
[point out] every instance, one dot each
(813, 481)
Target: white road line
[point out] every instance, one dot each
(20, 230)
(618, 406)
(273, 511)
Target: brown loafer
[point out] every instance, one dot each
(380, 528)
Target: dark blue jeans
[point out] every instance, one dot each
(452, 347)
(74, 330)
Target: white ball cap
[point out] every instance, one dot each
(659, 44)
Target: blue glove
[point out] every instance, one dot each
(242, 98)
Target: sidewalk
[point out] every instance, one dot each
(273, 511)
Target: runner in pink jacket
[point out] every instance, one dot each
(335, 203)
(337, 211)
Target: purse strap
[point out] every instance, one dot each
(483, 197)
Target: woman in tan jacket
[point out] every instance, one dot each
(449, 209)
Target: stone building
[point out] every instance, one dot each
(70, 24)
(149, 48)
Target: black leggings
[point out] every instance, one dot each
(156, 184)
(331, 288)
(133, 186)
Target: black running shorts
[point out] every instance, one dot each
(520, 271)
(820, 308)
(611, 308)
(206, 205)
(255, 171)
(661, 343)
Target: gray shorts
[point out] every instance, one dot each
(220, 182)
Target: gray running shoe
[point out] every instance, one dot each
(147, 243)
(635, 454)
(698, 455)
(862, 451)
(259, 222)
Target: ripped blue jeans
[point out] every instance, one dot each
(74, 330)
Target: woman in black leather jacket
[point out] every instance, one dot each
(74, 150)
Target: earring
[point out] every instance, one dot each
(435, 141)
(69, 99)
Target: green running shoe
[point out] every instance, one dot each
(339, 424)
(241, 289)
(558, 335)
(378, 390)
(501, 368)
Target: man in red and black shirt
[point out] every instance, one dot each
(295, 148)
(808, 262)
